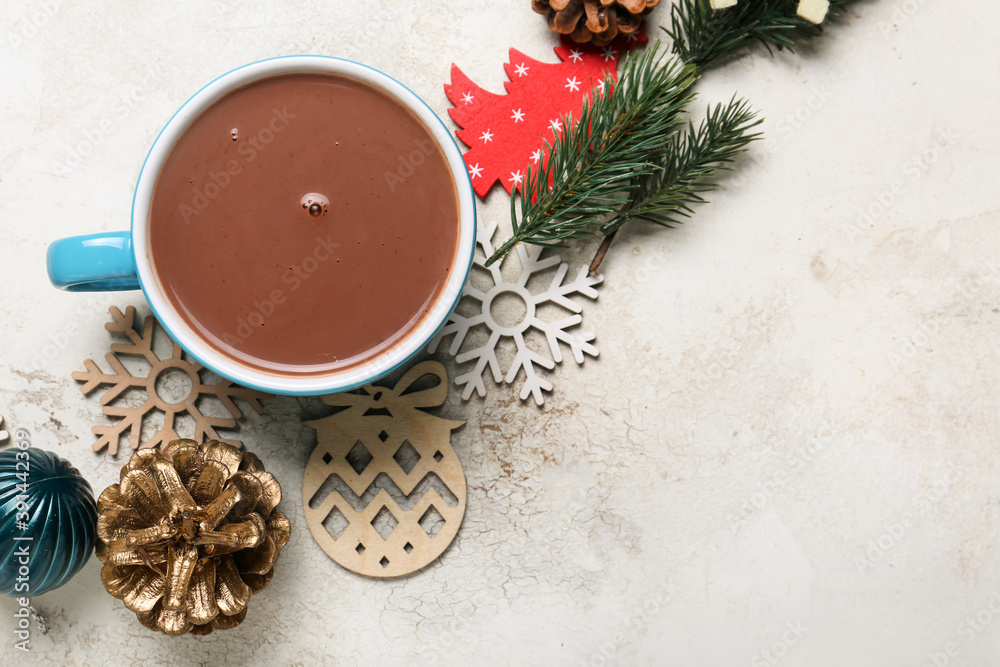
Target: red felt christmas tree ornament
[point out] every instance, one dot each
(506, 133)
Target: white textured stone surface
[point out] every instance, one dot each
(781, 388)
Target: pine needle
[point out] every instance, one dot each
(632, 154)
(701, 35)
(688, 167)
(604, 153)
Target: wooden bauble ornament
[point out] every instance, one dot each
(384, 442)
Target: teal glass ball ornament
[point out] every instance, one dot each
(48, 521)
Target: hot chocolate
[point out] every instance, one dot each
(304, 223)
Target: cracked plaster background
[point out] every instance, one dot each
(779, 386)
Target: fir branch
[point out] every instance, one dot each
(701, 35)
(627, 158)
(688, 166)
(603, 153)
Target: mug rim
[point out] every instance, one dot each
(337, 380)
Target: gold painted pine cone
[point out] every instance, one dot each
(189, 534)
(597, 21)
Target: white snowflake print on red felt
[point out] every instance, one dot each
(507, 132)
(561, 331)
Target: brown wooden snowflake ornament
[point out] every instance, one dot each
(120, 381)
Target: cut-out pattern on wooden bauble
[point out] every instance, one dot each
(384, 491)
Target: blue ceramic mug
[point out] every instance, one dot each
(121, 260)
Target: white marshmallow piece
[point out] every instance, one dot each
(813, 11)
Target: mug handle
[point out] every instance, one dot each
(93, 263)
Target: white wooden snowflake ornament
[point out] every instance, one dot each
(556, 333)
(813, 11)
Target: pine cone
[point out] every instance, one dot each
(597, 21)
(189, 534)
